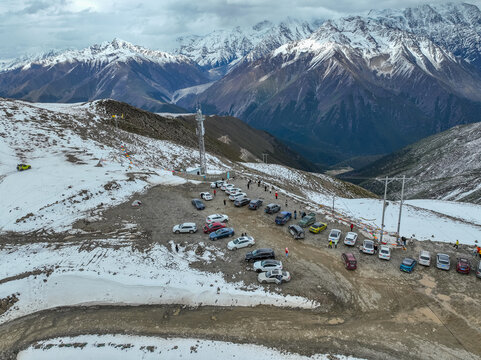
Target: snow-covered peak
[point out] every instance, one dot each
(116, 50)
(386, 50)
(227, 47)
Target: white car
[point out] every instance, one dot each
(425, 258)
(216, 184)
(266, 265)
(274, 276)
(216, 218)
(368, 247)
(185, 228)
(241, 242)
(350, 239)
(226, 186)
(206, 196)
(236, 196)
(233, 190)
(384, 252)
(335, 236)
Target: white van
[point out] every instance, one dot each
(425, 258)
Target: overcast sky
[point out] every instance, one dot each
(32, 26)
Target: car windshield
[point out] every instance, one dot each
(279, 217)
(335, 233)
(368, 245)
(443, 259)
(424, 257)
(385, 251)
(236, 241)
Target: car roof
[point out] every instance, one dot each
(284, 212)
(443, 255)
(349, 256)
(350, 233)
(272, 205)
(425, 252)
(318, 224)
(368, 241)
(270, 261)
(332, 230)
(385, 247)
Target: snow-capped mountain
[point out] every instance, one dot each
(222, 49)
(117, 69)
(456, 27)
(444, 166)
(356, 86)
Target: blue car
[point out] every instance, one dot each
(408, 265)
(221, 233)
(283, 217)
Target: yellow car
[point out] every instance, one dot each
(317, 227)
(22, 167)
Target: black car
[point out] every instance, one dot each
(272, 209)
(199, 205)
(255, 204)
(242, 202)
(260, 254)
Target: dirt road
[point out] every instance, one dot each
(375, 312)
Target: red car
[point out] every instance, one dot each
(350, 262)
(208, 228)
(463, 266)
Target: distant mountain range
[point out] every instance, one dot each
(353, 87)
(444, 166)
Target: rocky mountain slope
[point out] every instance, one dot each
(444, 166)
(357, 86)
(220, 50)
(117, 70)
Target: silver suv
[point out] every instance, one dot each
(185, 228)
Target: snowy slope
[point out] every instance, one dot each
(115, 273)
(64, 144)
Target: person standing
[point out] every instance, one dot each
(176, 248)
(276, 195)
(352, 226)
(248, 184)
(330, 244)
(286, 203)
(265, 188)
(295, 214)
(456, 245)
(225, 203)
(215, 192)
(287, 252)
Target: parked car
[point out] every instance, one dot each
(255, 204)
(317, 227)
(384, 252)
(226, 186)
(335, 236)
(185, 228)
(216, 184)
(425, 258)
(368, 247)
(241, 242)
(233, 190)
(216, 218)
(274, 276)
(206, 196)
(199, 205)
(266, 265)
(463, 266)
(211, 227)
(221, 233)
(23, 167)
(272, 209)
(296, 231)
(260, 254)
(242, 202)
(236, 196)
(283, 217)
(307, 220)
(478, 270)
(408, 265)
(350, 262)
(443, 261)
(350, 239)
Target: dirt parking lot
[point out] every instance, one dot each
(376, 311)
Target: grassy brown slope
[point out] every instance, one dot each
(181, 130)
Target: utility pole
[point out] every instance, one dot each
(264, 158)
(386, 181)
(333, 198)
(200, 134)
